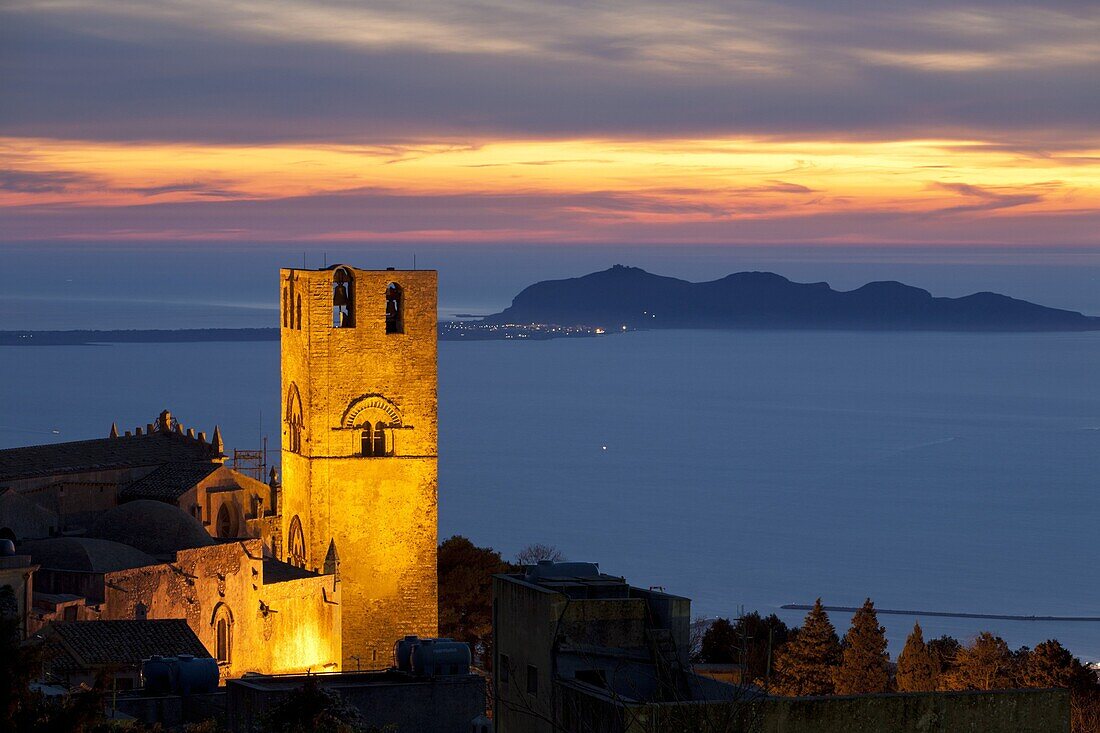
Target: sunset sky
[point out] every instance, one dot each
(710, 122)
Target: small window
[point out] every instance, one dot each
(366, 442)
(69, 614)
(380, 439)
(395, 309)
(532, 680)
(505, 664)
(296, 544)
(298, 314)
(343, 299)
(286, 308)
(223, 640)
(225, 523)
(141, 611)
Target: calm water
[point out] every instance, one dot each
(928, 471)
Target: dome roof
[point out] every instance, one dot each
(151, 526)
(84, 555)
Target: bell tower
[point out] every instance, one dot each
(359, 446)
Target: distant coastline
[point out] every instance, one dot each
(448, 331)
(135, 336)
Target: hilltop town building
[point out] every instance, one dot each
(322, 572)
(359, 447)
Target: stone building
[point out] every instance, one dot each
(325, 571)
(359, 446)
(151, 560)
(563, 628)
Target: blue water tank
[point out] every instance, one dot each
(182, 675)
(402, 652)
(157, 674)
(440, 658)
(196, 674)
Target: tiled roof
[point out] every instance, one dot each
(277, 571)
(89, 643)
(102, 454)
(169, 482)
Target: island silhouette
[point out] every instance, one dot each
(633, 298)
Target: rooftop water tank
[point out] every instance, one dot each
(196, 674)
(157, 675)
(182, 675)
(402, 652)
(440, 658)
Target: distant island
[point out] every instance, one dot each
(631, 298)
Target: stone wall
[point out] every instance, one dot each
(438, 705)
(1003, 711)
(291, 626)
(381, 512)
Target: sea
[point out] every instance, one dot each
(930, 472)
(745, 470)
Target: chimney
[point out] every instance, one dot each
(191, 433)
(202, 436)
(137, 431)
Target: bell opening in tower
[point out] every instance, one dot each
(343, 293)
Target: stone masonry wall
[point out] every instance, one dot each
(380, 511)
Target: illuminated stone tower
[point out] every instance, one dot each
(359, 447)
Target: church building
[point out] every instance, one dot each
(360, 446)
(324, 571)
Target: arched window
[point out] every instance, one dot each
(223, 640)
(395, 309)
(366, 442)
(380, 439)
(294, 421)
(296, 544)
(286, 308)
(222, 621)
(343, 299)
(225, 523)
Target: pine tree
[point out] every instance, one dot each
(863, 664)
(804, 666)
(720, 643)
(917, 671)
(1051, 665)
(987, 664)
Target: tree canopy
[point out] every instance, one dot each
(917, 670)
(465, 593)
(863, 664)
(805, 664)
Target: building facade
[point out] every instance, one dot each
(359, 447)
